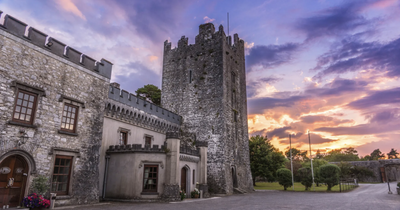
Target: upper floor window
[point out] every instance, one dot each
(147, 141)
(25, 106)
(123, 138)
(190, 76)
(233, 79)
(69, 118)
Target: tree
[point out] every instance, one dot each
(284, 177)
(338, 155)
(317, 163)
(305, 177)
(150, 92)
(318, 155)
(265, 159)
(330, 175)
(392, 154)
(376, 155)
(297, 154)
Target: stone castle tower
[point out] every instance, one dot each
(205, 83)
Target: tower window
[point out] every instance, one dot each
(190, 76)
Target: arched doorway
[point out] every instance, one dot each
(185, 180)
(13, 176)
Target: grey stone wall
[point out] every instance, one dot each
(28, 61)
(392, 169)
(197, 84)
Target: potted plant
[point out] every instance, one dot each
(398, 188)
(182, 194)
(35, 201)
(195, 193)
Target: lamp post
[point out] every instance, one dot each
(23, 137)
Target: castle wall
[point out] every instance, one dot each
(27, 64)
(197, 84)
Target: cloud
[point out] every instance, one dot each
(140, 75)
(270, 56)
(355, 55)
(69, 6)
(384, 116)
(208, 20)
(333, 21)
(257, 87)
(382, 97)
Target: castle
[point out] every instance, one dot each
(61, 118)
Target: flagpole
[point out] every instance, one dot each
(312, 169)
(291, 159)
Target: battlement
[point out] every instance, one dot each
(134, 101)
(207, 33)
(42, 40)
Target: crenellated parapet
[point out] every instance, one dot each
(140, 104)
(42, 40)
(207, 35)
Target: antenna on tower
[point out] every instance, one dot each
(228, 23)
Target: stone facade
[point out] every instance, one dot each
(205, 83)
(57, 75)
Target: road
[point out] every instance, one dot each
(365, 197)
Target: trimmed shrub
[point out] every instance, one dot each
(284, 177)
(305, 177)
(329, 174)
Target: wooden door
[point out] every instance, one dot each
(13, 167)
(183, 180)
(383, 174)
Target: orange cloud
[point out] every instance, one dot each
(69, 6)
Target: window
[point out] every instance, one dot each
(235, 116)
(68, 122)
(233, 78)
(123, 138)
(61, 175)
(194, 177)
(147, 141)
(190, 76)
(25, 106)
(233, 97)
(150, 178)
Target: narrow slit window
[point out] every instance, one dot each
(190, 76)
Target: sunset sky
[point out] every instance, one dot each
(330, 67)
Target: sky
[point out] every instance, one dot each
(328, 67)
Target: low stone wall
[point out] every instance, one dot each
(392, 169)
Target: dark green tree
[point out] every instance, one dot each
(265, 159)
(150, 92)
(284, 177)
(377, 154)
(305, 177)
(330, 175)
(392, 154)
(317, 163)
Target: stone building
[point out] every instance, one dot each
(141, 154)
(205, 83)
(51, 116)
(61, 118)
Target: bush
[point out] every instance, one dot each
(194, 193)
(35, 201)
(305, 177)
(398, 184)
(40, 185)
(329, 174)
(284, 177)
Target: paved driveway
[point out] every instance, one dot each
(365, 197)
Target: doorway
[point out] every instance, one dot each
(185, 180)
(234, 178)
(13, 177)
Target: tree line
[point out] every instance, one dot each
(270, 164)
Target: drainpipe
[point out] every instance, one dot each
(105, 177)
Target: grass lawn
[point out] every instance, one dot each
(297, 187)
